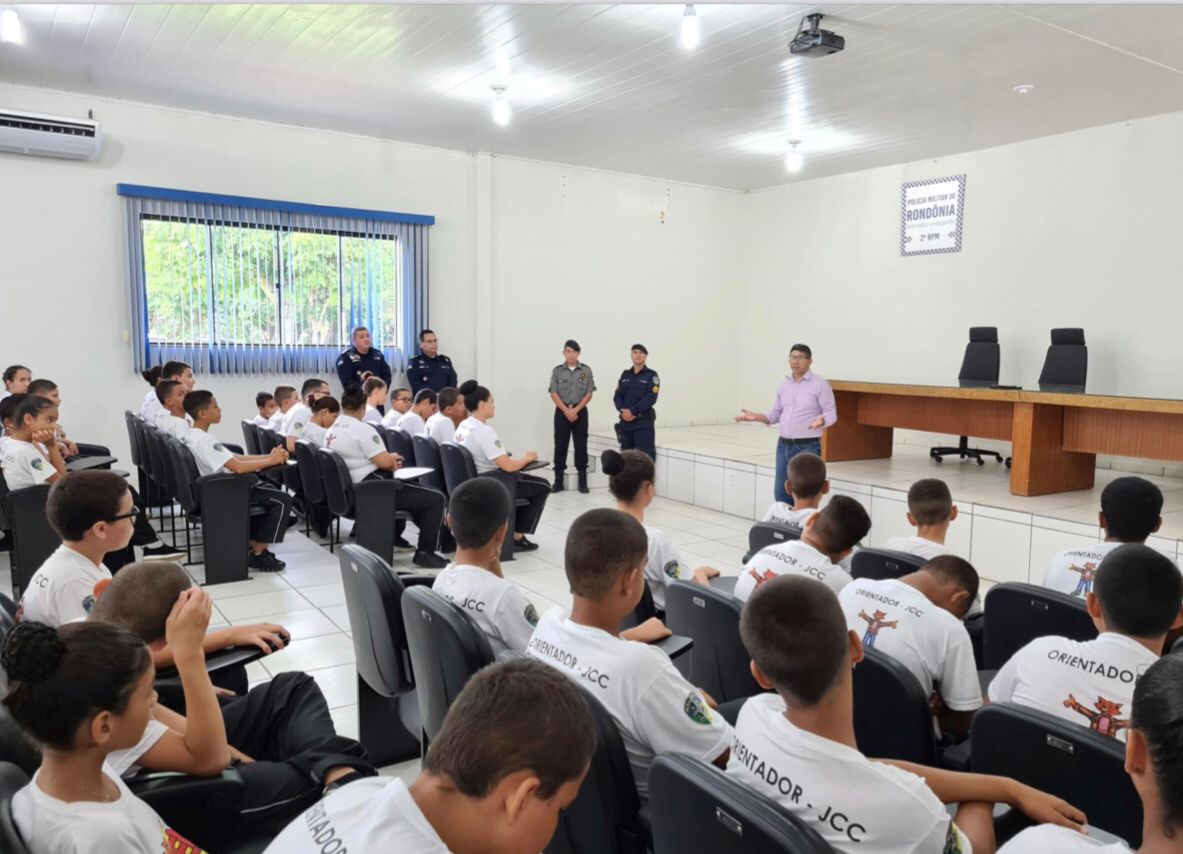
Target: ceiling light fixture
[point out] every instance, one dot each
(501, 111)
(11, 30)
(690, 34)
(794, 160)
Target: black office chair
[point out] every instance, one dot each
(697, 809)
(892, 719)
(371, 504)
(250, 438)
(427, 455)
(881, 564)
(387, 707)
(33, 538)
(459, 466)
(979, 367)
(446, 649)
(768, 533)
(719, 663)
(12, 780)
(1016, 614)
(1066, 365)
(1061, 758)
(605, 818)
(398, 442)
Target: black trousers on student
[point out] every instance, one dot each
(271, 527)
(426, 507)
(142, 534)
(285, 726)
(532, 489)
(565, 431)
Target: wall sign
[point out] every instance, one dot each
(931, 215)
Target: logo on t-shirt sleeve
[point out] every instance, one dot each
(35, 463)
(954, 840)
(376, 440)
(531, 614)
(672, 570)
(218, 446)
(696, 709)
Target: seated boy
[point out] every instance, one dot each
(450, 411)
(917, 620)
(299, 415)
(1131, 510)
(1135, 600)
(797, 746)
(400, 405)
(364, 453)
(477, 514)
(285, 398)
(171, 419)
(265, 403)
(807, 486)
(829, 536)
(511, 755)
(656, 710)
(930, 511)
(212, 456)
(324, 415)
(413, 422)
(280, 734)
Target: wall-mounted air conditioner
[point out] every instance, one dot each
(49, 136)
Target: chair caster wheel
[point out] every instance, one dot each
(981, 462)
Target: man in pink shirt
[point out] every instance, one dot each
(804, 406)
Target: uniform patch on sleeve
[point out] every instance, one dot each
(531, 614)
(696, 709)
(218, 446)
(672, 569)
(376, 440)
(88, 604)
(498, 443)
(954, 841)
(35, 463)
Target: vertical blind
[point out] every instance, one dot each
(239, 285)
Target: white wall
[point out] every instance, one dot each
(1078, 230)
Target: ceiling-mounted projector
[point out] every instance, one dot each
(811, 40)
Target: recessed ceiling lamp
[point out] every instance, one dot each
(794, 160)
(11, 30)
(690, 34)
(1024, 89)
(501, 111)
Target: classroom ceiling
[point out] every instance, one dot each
(610, 86)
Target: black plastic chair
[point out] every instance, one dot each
(764, 534)
(979, 367)
(675, 646)
(1061, 758)
(250, 437)
(33, 538)
(427, 455)
(892, 719)
(387, 707)
(446, 649)
(268, 440)
(697, 809)
(1066, 365)
(1016, 614)
(12, 780)
(882, 564)
(311, 486)
(459, 466)
(719, 663)
(371, 504)
(605, 818)
(398, 442)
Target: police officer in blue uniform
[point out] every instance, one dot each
(362, 361)
(429, 369)
(636, 395)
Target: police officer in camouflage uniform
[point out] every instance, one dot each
(636, 395)
(571, 387)
(429, 369)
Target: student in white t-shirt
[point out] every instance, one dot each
(414, 421)
(92, 511)
(265, 403)
(325, 412)
(297, 418)
(212, 456)
(828, 538)
(477, 514)
(481, 440)
(930, 511)
(806, 483)
(1135, 602)
(400, 404)
(31, 455)
(797, 746)
(285, 398)
(83, 692)
(150, 407)
(365, 455)
(656, 709)
(49, 389)
(631, 477)
(17, 378)
(171, 420)
(375, 391)
(450, 412)
(512, 753)
(1131, 510)
(1154, 761)
(917, 620)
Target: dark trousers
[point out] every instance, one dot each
(270, 527)
(142, 534)
(426, 506)
(529, 488)
(284, 725)
(566, 430)
(638, 434)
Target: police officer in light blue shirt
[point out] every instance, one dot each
(636, 395)
(429, 369)
(362, 361)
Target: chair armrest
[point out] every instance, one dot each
(86, 449)
(675, 645)
(202, 809)
(87, 462)
(416, 580)
(220, 660)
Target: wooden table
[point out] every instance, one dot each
(1055, 436)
